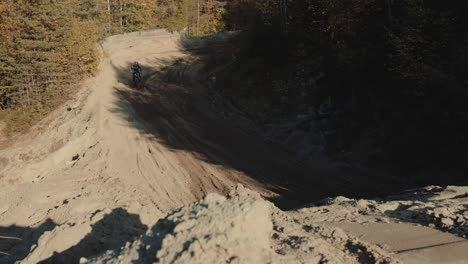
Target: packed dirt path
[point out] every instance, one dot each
(103, 152)
(114, 160)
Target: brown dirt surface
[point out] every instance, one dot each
(104, 168)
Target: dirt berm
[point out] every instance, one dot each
(99, 179)
(244, 228)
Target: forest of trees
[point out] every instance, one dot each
(394, 71)
(47, 46)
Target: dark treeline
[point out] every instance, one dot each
(390, 74)
(41, 49)
(47, 46)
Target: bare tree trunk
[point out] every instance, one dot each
(198, 17)
(284, 15)
(29, 88)
(124, 17)
(120, 15)
(388, 12)
(109, 15)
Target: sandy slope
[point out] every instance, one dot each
(101, 170)
(95, 158)
(243, 229)
(246, 229)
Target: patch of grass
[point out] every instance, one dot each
(18, 121)
(21, 119)
(3, 114)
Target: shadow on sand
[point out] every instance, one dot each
(173, 108)
(110, 233)
(16, 241)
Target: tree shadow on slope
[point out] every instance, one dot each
(171, 108)
(111, 233)
(350, 180)
(16, 241)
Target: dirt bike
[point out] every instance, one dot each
(136, 79)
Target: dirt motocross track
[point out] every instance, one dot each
(115, 160)
(128, 152)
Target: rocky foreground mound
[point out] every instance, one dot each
(243, 228)
(420, 226)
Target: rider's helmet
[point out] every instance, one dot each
(135, 67)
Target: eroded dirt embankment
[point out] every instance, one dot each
(116, 151)
(246, 229)
(101, 170)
